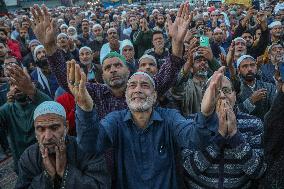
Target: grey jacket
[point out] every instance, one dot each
(83, 170)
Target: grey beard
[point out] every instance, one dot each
(99, 38)
(142, 107)
(202, 74)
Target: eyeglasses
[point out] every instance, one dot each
(225, 90)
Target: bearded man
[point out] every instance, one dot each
(255, 96)
(16, 114)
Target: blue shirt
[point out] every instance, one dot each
(144, 157)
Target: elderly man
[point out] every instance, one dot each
(112, 45)
(145, 138)
(147, 63)
(67, 46)
(255, 96)
(42, 74)
(234, 158)
(127, 50)
(56, 161)
(276, 30)
(16, 114)
(28, 60)
(93, 71)
(98, 42)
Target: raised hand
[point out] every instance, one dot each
(48, 163)
(60, 157)
(44, 28)
(21, 79)
(210, 96)
(258, 95)
(77, 85)
(178, 29)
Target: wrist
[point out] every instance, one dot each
(177, 50)
(50, 49)
(233, 133)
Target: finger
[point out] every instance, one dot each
(46, 15)
(72, 71)
(82, 86)
(53, 24)
(77, 75)
(180, 10)
(39, 13)
(35, 16)
(183, 11)
(68, 70)
(169, 20)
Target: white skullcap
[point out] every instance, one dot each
(273, 24)
(148, 56)
(60, 20)
(278, 7)
(62, 35)
(85, 47)
(36, 49)
(49, 107)
(97, 26)
(145, 74)
(217, 30)
(125, 43)
(155, 10)
(243, 57)
(63, 25)
(205, 14)
(239, 39)
(72, 28)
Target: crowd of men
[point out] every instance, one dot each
(144, 97)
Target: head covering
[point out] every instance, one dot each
(145, 74)
(36, 49)
(125, 43)
(113, 55)
(85, 47)
(273, 24)
(33, 42)
(49, 107)
(62, 35)
(97, 26)
(155, 10)
(278, 7)
(63, 25)
(273, 44)
(197, 55)
(72, 28)
(148, 56)
(239, 39)
(239, 61)
(217, 30)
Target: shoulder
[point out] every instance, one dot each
(30, 155)
(248, 122)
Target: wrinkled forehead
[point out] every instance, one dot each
(140, 79)
(49, 119)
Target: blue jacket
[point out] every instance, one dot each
(144, 157)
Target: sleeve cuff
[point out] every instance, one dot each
(236, 140)
(83, 115)
(210, 122)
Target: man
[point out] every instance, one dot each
(23, 41)
(145, 139)
(28, 60)
(142, 38)
(86, 36)
(16, 116)
(3, 51)
(159, 51)
(93, 71)
(56, 161)
(67, 46)
(275, 55)
(276, 30)
(234, 158)
(148, 64)
(98, 42)
(112, 45)
(13, 45)
(217, 45)
(127, 50)
(42, 74)
(256, 96)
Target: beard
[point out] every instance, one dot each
(117, 83)
(160, 25)
(21, 97)
(42, 63)
(143, 106)
(99, 38)
(201, 73)
(74, 37)
(249, 77)
(86, 62)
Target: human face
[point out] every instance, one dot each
(3, 50)
(140, 94)
(23, 33)
(205, 17)
(276, 53)
(85, 56)
(200, 67)
(50, 130)
(132, 20)
(148, 65)
(72, 23)
(276, 31)
(63, 30)
(25, 24)
(41, 54)
(218, 36)
(62, 41)
(158, 41)
(248, 38)
(33, 46)
(226, 94)
(112, 34)
(85, 26)
(161, 20)
(247, 69)
(98, 31)
(128, 53)
(240, 48)
(115, 73)
(223, 26)
(3, 36)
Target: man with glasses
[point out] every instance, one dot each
(234, 157)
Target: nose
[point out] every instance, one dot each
(48, 134)
(113, 69)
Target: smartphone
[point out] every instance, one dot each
(204, 41)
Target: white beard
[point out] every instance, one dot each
(142, 106)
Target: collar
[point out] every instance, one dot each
(155, 116)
